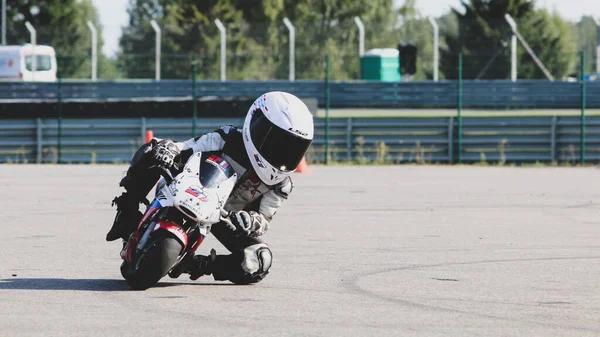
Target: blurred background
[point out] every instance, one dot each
(258, 39)
(427, 81)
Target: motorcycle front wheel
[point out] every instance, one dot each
(152, 264)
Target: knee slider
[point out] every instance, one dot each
(257, 260)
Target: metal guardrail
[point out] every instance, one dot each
(383, 140)
(442, 94)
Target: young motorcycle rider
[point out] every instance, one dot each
(276, 134)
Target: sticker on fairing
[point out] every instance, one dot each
(218, 161)
(196, 191)
(259, 162)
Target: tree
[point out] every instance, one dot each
(482, 34)
(106, 69)
(448, 27)
(189, 34)
(256, 37)
(327, 27)
(553, 41)
(483, 38)
(587, 40)
(62, 25)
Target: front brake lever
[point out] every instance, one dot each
(225, 215)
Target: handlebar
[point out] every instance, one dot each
(166, 173)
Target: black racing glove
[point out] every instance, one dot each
(165, 152)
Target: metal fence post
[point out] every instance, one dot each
(223, 32)
(157, 32)
(194, 103)
(326, 109)
(292, 43)
(349, 138)
(459, 106)
(33, 37)
(361, 35)
(3, 22)
(583, 99)
(597, 45)
(59, 124)
(513, 47)
(553, 139)
(436, 48)
(38, 142)
(94, 50)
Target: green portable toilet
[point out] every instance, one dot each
(380, 64)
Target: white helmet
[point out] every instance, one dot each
(277, 133)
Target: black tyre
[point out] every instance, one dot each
(154, 263)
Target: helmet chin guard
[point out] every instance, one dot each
(277, 132)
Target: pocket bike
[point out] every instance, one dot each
(178, 219)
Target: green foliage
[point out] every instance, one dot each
(553, 41)
(587, 38)
(483, 37)
(188, 30)
(257, 40)
(418, 30)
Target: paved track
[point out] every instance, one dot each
(359, 251)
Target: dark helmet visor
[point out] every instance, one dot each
(282, 149)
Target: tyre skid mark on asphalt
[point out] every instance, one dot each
(353, 285)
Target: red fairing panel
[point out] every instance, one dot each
(174, 229)
(133, 241)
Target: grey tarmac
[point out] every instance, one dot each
(358, 251)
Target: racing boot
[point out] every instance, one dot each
(127, 218)
(196, 266)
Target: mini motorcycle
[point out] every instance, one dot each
(178, 219)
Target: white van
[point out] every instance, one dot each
(16, 63)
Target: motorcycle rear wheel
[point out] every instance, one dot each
(152, 264)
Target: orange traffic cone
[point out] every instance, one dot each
(303, 167)
(149, 136)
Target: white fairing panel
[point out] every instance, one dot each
(197, 202)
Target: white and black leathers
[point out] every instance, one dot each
(277, 132)
(250, 257)
(250, 194)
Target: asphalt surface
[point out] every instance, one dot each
(359, 251)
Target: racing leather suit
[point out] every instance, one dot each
(250, 257)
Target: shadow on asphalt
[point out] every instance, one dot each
(64, 284)
(82, 284)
